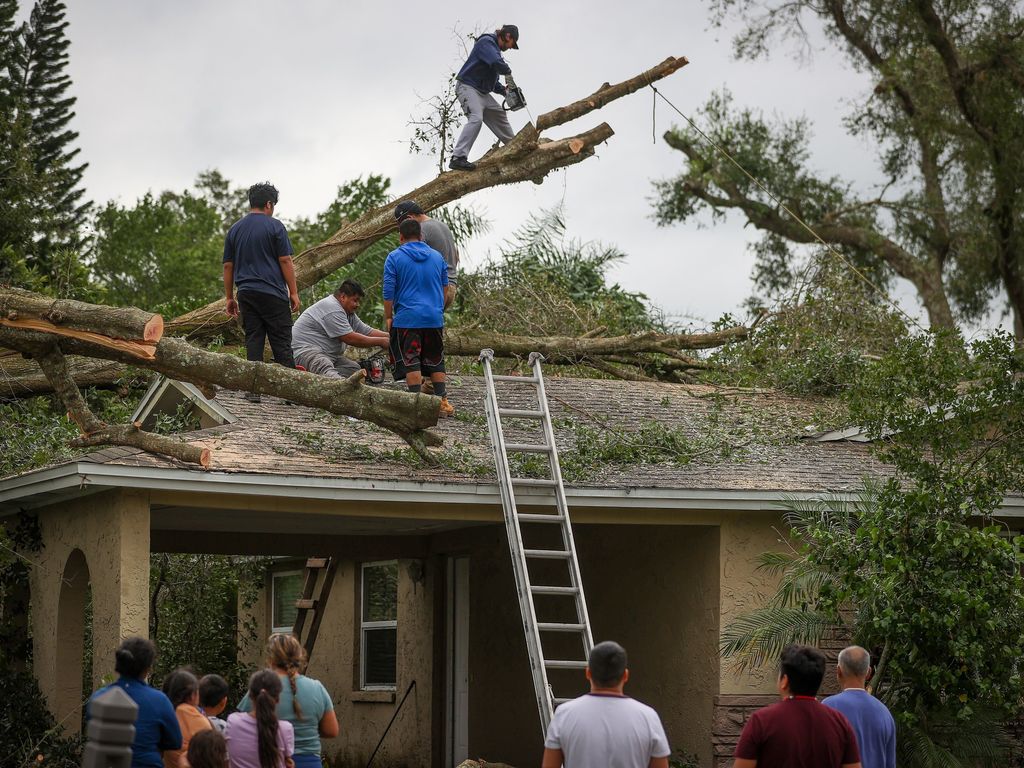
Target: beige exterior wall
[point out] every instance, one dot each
(100, 541)
(663, 591)
(364, 715)
(743, 538)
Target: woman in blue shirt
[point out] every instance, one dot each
(156, 726)
(304, 701)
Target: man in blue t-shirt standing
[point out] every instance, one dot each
(870, 718)
(476, 81)
(415, 277)
(258, 260)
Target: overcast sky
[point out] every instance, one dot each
(311, 93)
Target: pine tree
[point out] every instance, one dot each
(40, 89)
(18, 181)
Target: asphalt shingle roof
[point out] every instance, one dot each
(730, 440)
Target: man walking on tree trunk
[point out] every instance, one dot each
(477, 80)
(258, 260)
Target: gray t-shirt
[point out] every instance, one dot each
(319, 327)
(607, 730)
(437, 235)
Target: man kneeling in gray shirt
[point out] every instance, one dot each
(323, 332)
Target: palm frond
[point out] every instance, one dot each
(758, 637)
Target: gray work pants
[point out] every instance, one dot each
(317, 362)
(480, 109)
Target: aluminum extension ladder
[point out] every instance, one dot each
(516, 523)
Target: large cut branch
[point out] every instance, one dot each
(607, 93)
(68, 317)
(404, 414)
(528, 157)
(572, 349)
(96, 432)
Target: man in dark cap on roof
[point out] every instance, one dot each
(438, 236)
(477, 80)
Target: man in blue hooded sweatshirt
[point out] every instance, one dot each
(415, 277)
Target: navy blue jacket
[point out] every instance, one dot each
(156, 727)
(483, 66)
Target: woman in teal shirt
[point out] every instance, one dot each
(304, 701)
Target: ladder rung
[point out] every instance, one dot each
(554, 590)
(553, 664)
(548, 554)
(516, 413)
(557, 627)
(305, 605)
(516, 379)
(317, 562)
(528, 447)
(536, 482)
(540, 518)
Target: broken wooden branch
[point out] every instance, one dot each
(96, 432)
(66, 316)
(400, 412)
(528, 157)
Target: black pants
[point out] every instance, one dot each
(266, 317)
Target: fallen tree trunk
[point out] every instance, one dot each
(400, 412)
(96, 432)
(572, 349)
(528, 157)
(65, 316)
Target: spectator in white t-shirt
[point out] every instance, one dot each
(605, 727)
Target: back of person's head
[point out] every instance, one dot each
(134, 657)
(284, 651)
(208, 749)
(264, 693)
(854, 661)
(607, 664)
(180, 686)
(410, 229)
(261, 194)
(212, 690)
(805, 668)
(351, 288)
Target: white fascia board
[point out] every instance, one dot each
(42, 487)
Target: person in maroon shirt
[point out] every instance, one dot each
(799, 731)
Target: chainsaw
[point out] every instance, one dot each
(514, 98)
(374, 367)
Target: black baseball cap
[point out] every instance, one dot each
(513, 30)
(407, 208)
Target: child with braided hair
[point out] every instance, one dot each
(258, 739)
(304, 702)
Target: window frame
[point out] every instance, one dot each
(372, 625)
(274, 575)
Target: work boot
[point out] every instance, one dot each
(461, 164)
(447, 409)
(427, 387)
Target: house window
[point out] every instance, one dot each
(285, 588)
(378, 625)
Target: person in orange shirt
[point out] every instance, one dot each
(182, 688)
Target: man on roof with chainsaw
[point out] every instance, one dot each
(477, 80)
(323, 332)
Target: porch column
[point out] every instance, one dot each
(96, 547)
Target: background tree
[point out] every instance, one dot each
(917, 569)
(40, 87)
(947, 115)
(164, 252)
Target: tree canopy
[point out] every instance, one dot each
(946, 113)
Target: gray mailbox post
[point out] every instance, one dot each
(111, 731)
